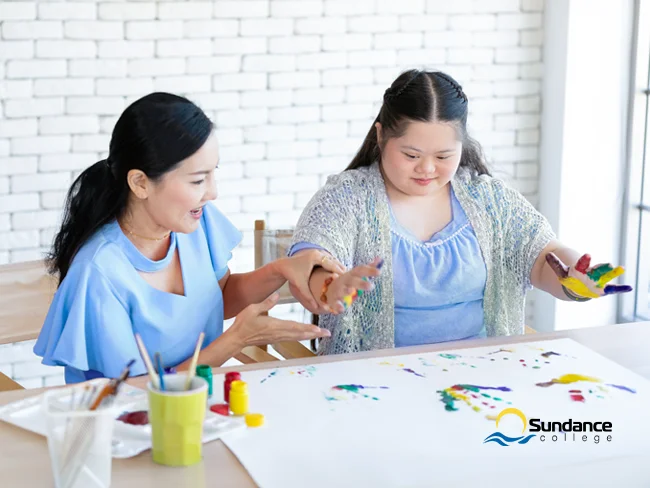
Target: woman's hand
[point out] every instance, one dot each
(298, 269)
(349, 284)
(253, 329)
(584, 281)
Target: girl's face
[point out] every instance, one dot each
(423, 160)
(175, 201)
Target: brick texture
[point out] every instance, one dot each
(293, 86)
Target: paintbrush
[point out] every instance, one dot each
(160, 369)
(110, 390)
(147, 362)
(192, 371)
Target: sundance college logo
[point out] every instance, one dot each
(567, 431)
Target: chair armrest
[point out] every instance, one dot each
(292, 350)
(254, 354)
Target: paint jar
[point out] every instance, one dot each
(230, 377)
(205, 372)
(239, 397)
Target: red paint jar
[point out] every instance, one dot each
(230, 377)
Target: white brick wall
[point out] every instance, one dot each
(292, 85)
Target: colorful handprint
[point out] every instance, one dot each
(585, 281)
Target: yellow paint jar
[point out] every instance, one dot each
(239, 397)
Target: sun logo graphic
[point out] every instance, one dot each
(504, 440)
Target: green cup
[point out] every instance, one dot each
(176, 416)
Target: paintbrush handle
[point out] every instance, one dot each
(147, 362)
(195, 358)
(161, 370)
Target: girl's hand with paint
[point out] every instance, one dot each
(584, 281)
(339, 294)
(298, 269)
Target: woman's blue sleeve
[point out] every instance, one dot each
(88, 327)
(222, 238)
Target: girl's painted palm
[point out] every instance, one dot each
(586, 281)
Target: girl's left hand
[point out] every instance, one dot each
(298, 269)
(585, 281)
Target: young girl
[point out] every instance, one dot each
(460, 249)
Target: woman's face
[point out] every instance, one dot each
(423, 160)
(175, 201)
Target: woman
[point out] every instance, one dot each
(142, 250)
(459, 248)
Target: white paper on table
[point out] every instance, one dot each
(407, 438)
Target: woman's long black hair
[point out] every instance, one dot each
(153, 134)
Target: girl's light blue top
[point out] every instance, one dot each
(438, 284)
(103, 302)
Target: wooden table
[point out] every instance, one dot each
(24, 459)
(26, 291)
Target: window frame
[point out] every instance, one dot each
(635, 247)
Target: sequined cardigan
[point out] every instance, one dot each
(349, 217)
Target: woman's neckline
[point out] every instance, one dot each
(135, 256)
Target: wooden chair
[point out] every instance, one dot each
(7, 384)
(26, 291)
(269, 246)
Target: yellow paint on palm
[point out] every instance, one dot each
(578, 287)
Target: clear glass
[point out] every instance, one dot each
(79, 440)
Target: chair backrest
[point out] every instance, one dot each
(26, 291)
(269, 246)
